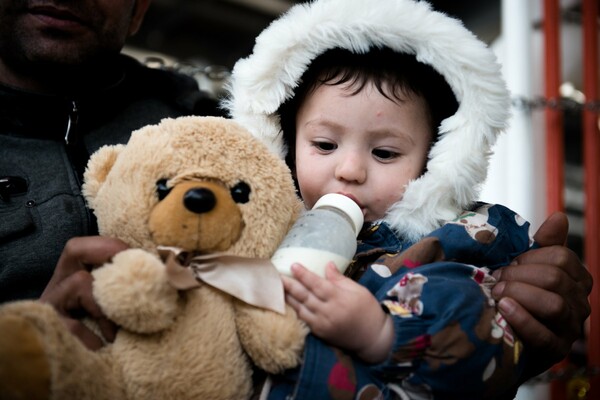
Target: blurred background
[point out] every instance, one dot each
(221, 31)
(538, 166)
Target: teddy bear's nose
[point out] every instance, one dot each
(199, 200)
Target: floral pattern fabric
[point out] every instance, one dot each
(451, 341)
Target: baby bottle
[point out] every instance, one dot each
(326, 233)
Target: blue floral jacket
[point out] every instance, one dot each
(451, 342)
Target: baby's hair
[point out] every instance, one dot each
(397, 76)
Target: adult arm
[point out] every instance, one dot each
(543, 295)
(70, 288)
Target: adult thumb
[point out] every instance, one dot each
(553, 231)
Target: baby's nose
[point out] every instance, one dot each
(351, 169)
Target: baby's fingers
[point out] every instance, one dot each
(301, 300)
(295, 289)
(313, 283)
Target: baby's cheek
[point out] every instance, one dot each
(308, 195)
(389, 201)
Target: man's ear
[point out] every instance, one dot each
(139, 11)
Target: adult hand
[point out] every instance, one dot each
(70, 288)
(543, 295)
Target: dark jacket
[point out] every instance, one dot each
(45, 142)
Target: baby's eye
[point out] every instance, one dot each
(383, 154)
(325, 146)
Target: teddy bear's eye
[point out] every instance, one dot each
(161, 189)
(241, 192)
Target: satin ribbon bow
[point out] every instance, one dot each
(252, 280)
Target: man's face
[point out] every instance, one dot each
(68, 32)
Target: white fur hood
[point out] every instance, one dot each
(458, 161)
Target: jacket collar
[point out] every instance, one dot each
(38, 115)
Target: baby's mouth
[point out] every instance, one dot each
(353, 198)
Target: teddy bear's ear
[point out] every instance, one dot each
(98, 167)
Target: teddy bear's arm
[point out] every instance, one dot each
(133, 291)
(273, 341)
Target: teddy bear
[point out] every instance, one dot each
(202, 205)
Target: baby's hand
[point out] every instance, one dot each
(341, 312)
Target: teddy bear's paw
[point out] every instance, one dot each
(287, 347)
(273, 341)
(24, 367)
(134, 292)
(278, 359)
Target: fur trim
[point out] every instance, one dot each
(458, 161)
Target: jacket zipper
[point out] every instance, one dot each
(71, 122)
(78, 157)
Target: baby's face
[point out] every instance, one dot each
(364, 146)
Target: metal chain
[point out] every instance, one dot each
(210, 78)
(218, 75)
(562, 103)
(212, 71)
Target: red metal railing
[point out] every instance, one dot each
(591, 163)
(555, 148)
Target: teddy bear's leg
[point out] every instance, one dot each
(273, 341)
(24, 369)
(41, 359)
